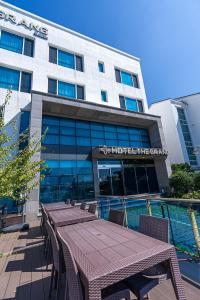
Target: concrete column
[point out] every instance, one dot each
(32, 205)
(162, 165)
(96, 178)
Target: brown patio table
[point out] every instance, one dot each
(56, 206)
(70, 216)
(107, 253)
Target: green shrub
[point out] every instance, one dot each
(192, 195)
(181, 183)
(197, 181)
(181, 167)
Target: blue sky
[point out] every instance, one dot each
(164, 34)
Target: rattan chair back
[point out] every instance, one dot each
(73, 284)
(83, 205)
(73, 202)
(154, 227)
(54, 245)
(116, 216)
(92, 208)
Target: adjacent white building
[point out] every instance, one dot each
(181, 125)
(101, 140)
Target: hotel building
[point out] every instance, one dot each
(181, 126)
(90, 97)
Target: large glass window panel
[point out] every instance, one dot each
(11, 42)
(82, 132)
(82, 124)
(104, 96)
(66, 59)
(50, 129)
(97, 126)
(110, 135)
(85, 187)
(122, 102)
(52, 86)
(50, 120)
(152, 180)
(9, 79)
(110, 128)
(122, 129)
(82, 141)
(25, 82)
(131, 104)
(28, 47)
(124, 143)
(69, 188)
(67, 131)
(51, 139)
(126, 78)
(79, 63)
(67, 122)
(67, 167)
(97, 134)
(123, 136)
(66, 90)
(53, 55)
(50, 180)
(130, 180)
(84, 167)
(49, 194)
(98, 142)
(112, 142)
(142, 180)
(67, 140)
(101, 67)
(53, 167)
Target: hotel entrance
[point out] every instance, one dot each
(127, 177)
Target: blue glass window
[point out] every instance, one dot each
(131, 104)
(104, 96)
(98, 142)
(67, 140)
(82, 124)
(126, 78)
(28, 47)
(68, 167)
(50, 120)
(101, 67)
(97, 134)
(53, 167)
(25, 82)
(52, 86)
(9, 79)
(66, 59)
(110, 135)
(84, 167)
(66, 90)
(83, 132)
(51, 139)
(67, 131)
(11, 42)
(83, 141)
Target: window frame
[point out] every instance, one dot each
(132, 76)
(125, 106)
(76, 86)
(106, 95)
(103, 65)
(23, 41)
(69, 52)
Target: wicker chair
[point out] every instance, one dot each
(83, 205)
(73, 287)
(141, 284)
(116, 216)
(73, 202)
(56, 271)
(92, 208)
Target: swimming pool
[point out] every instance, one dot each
(181, 233)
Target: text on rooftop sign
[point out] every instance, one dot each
(38, 31)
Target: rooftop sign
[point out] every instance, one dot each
(37, 30)
(106, 150)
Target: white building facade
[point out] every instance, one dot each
(181, 125)
(91, 97)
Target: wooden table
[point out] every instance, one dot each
(70, 216)
(56, 206)
(107, 253)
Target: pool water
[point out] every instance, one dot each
(181, 233)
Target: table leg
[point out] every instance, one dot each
(93, 293)
(176, 277)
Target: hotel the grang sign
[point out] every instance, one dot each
(106, 150)
(37, 30)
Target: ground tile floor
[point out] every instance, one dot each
(23, 275)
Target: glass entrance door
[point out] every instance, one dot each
(111, 179)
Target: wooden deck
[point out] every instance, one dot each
(23, 275)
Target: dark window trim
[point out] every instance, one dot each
(122, 99)
(70, 52)
(75, 84)
(23, 44)
(134, 76)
